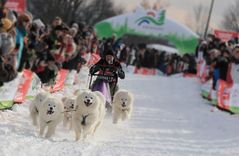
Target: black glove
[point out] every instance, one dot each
(94, 69)
(121, 74)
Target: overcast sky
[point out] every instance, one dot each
(179, 9)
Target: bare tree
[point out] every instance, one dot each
(231, 18)
(146, 4)
(98, 10)
(197, 21)
(157, 5)
(160, 4)
(48, 9)
(73, 10)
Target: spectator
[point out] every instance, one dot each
(234, 68)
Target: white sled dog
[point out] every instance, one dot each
(36, 104)
(122, 105)
(69, 108)
(89, 114)
(50, 113)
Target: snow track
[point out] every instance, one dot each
(169, 119)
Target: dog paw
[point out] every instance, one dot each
(77, 138)
(40, 136)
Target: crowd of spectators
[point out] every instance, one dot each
(29, 43)
(221, 59)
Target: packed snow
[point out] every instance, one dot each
(169, 119)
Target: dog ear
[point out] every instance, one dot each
(64, 99)
(77, 92)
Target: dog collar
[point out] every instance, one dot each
(83, 122)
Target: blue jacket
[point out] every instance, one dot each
(21, 33)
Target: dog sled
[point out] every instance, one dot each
(106, 83)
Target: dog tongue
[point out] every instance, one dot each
(49, 112)
(88, 104)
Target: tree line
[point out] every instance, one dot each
(198, 18)
(88, 11)
(93, 11)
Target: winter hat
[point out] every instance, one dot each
(6, 25)
(12, 16)
(73, 30)
(109, 52)
(59, 27)
(75, 25)
(57, 18)
(65, 27)
(39, 23)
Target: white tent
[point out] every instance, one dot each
(163, 48)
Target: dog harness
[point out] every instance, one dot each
(83, 122)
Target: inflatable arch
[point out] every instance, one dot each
(152, 24)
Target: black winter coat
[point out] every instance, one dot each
(114, 68)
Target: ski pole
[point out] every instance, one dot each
(90, 81)
(116, 78)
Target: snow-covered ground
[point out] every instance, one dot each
(169, 119)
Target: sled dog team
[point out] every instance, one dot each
(84, 112)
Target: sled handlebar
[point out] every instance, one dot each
(102, 75)
(109, 78)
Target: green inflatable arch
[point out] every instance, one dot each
(151, 24)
